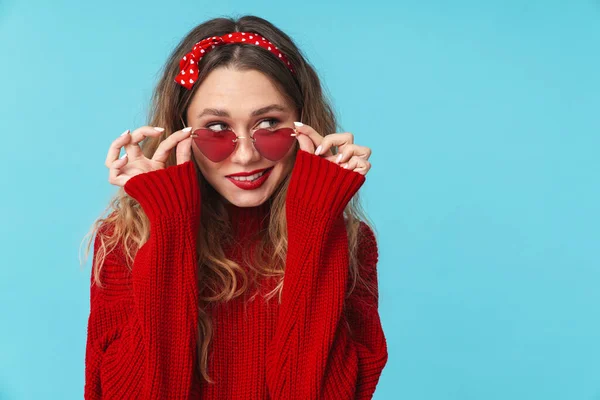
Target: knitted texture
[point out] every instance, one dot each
(142, 328)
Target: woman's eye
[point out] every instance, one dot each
(274, 120)
(216, 130)
(270, 123)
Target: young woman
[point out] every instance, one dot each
(240, 265)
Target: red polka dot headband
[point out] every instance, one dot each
(188, 73)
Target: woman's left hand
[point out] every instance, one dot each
(350, 156)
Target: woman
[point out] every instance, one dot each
(200, 239)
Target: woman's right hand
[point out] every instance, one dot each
(134, 162)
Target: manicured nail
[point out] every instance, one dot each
(159, 129)
(346, 166)
(339, 158)
(123, 156)
(189, 128)
(298, 123)
(125, 133)
(318, 151)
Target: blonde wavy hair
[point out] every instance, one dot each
(218, 274)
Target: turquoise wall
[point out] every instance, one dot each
(484, 124)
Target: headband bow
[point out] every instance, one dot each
(188, 73)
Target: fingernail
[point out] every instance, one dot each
(318, 151)
(346, 166)
(339, 158)
(125, 133)
(298, 123)
(189, 128)
(123, 156)
(159, 129)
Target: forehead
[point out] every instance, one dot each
(237, 91)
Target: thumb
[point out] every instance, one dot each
(306, 143)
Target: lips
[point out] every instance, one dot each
(256, 171)
(252, 185)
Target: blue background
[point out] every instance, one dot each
(483, 121)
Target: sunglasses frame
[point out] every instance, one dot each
(239, 137)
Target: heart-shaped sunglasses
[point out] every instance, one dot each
(272, 144)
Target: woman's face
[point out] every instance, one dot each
(227, 99)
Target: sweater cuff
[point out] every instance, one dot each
(321, 185)
(167, 191)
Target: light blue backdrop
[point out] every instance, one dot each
(483, 121)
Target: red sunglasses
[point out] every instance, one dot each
(272, 144)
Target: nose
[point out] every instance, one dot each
(244, 152)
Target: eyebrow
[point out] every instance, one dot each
(223, 113)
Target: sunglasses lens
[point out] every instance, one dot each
(215, 145)
(274, 145)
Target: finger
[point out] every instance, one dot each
(351, 163)
(164, 148)
(358, 164)
(306, 143)
(363, 167)
(307, 132)
(336, 139)
(184, 151)
(115, 176)
(344, 154)
(115, 148)
(351, 150)
(133, 149)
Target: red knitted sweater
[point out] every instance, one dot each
(142, 327)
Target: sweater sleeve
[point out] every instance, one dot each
(142, 328)
(321, 349)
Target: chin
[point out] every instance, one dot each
(248, 199)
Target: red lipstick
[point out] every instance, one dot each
(251, 185)
(256, 171)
